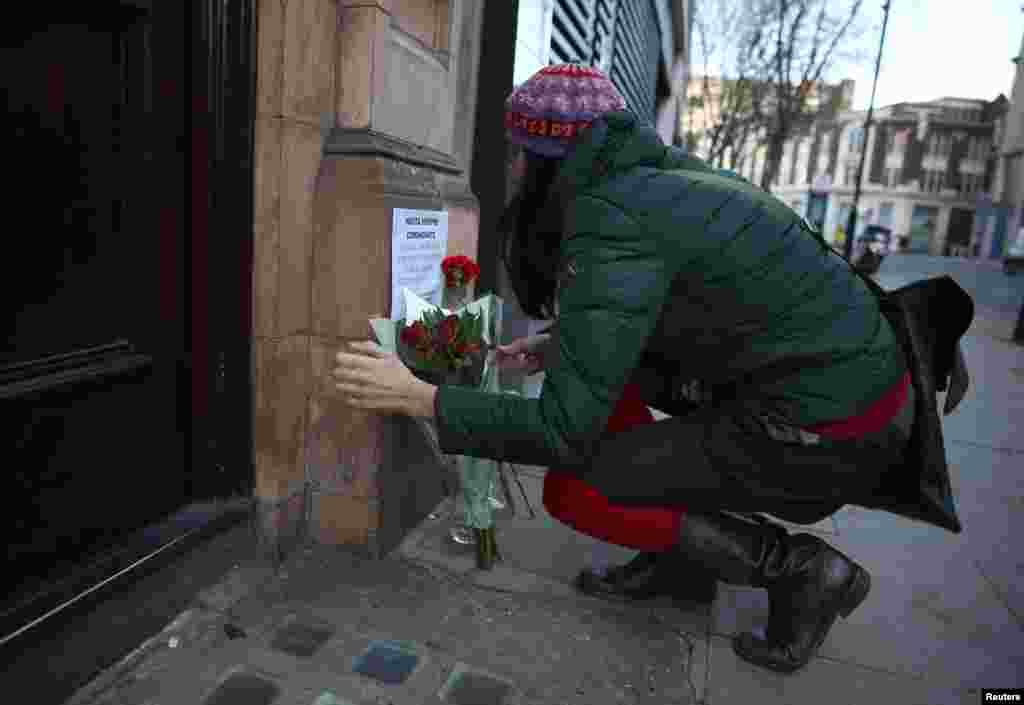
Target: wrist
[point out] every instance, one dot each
(421, 400)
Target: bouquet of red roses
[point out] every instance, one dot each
(459, 270)
(444, 348)
(447, 347)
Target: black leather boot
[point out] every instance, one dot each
(651, 575)
(809, 583)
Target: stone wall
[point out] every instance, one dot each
(364, 106)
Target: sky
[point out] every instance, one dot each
(938, 48)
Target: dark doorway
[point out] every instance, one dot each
(108, 380)
(961, 224)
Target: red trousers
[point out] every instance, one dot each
(575, 503)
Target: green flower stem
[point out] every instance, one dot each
(482, 549)
(487, 553)
(494, 545)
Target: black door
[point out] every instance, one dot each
(961, 224)
(104, 368)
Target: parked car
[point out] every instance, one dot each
(1013, 261)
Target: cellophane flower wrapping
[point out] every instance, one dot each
(477, 475)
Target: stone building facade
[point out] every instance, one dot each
(221, 179)
(928, 165)
(711, 97)
(1001, 211)
(363, 106)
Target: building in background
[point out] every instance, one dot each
(709, 101)
(927, 169)
(1001, 210)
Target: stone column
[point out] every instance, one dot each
(363, 106)
(405, 72)
(296, 94)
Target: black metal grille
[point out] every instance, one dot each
(620, 36)
(572, 32)
(636, 56)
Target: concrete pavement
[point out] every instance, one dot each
(944, 619)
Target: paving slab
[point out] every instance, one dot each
(542, 557)
(993, 409)
(736, 682)
(540, 545)
(472, 686)
(549, 649)
(243, 688)
(931, 611)
(991, 509)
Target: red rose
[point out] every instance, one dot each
(436, 349)
(459, 270)
(448, 330)
(467, 348)
(416, 335)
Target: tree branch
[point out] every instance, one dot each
(826, 60)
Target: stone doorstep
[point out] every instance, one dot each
(211, 611)
(155, 653)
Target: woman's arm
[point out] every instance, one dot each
(615, 278)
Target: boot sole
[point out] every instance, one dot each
(593, 586)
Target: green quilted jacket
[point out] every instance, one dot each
(671, 269)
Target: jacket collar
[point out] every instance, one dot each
(614, 143)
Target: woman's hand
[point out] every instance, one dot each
(375, 381)
(524, 354)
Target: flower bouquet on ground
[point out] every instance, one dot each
(454, 348)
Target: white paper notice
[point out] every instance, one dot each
(419, 241)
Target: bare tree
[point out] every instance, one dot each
(796, 43)
(762, 67)
(728, 85)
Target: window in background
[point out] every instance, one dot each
(885, 214)
(856, 140)
(922, 226)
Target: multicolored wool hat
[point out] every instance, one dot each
(547, 112)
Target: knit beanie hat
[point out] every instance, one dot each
(546, 113)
